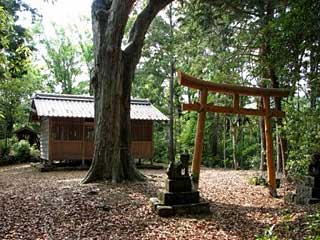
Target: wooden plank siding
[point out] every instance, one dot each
(142, 149)
(44, 138)
(73, 139)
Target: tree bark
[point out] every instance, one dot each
(215, 133)
(112, 81)
(234, 131)
(224, 142)
(263, 166)
(281, 140)
(171, 141)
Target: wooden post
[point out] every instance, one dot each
(269, 148)
(236, 102)
(83, 143)
(198, 146)
(50, 149)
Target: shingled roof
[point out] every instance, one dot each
(78, 106)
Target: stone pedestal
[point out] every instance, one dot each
(179, 209)
(179, 198)
(309, 191)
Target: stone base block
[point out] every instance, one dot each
(179, 209)
(178, 185)
(307, 192)
(306, 201)
(313, 200)
(176, 198)
(311, 181)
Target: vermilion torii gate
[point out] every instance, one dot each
(202, 107)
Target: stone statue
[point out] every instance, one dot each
(174, 170)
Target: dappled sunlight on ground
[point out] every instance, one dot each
(54, 205)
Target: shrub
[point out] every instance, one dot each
(34, 153)
(13, 151)
(5, 151)
(4, 148)
(301, 128)
(21, 151)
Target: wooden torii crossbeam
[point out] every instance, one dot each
(202, 107)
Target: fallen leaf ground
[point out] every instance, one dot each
(54, 205)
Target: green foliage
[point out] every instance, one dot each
(258, 180)
(4, 148)
(63, 61)
(19, 77)
(268, 234)
(68, 57)
(21, 151)
(307, 229)
(301, 126)
(313, 225)
(243, 43)
(6, 151)
(160, 140)
(13, 151)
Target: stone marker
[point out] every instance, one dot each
(179, 197)
(309, 191)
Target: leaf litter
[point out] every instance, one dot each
(54, 205)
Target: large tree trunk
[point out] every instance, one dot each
(111, 81)
(107, 88)
(129, 170)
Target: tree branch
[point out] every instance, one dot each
(140, 27)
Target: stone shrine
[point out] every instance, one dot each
(179, 197)
(309, 191)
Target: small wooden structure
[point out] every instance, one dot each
(67, 126)
(236, 91)
(26, 133)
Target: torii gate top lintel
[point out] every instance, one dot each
(192, 82)
(202, 107)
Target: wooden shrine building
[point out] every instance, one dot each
(67, 126)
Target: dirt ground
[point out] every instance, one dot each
(53, 205)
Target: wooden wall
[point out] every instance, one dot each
(142, 139)
(44, 138)
(73, 139)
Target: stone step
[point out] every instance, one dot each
(313, 200)
(176, 198)
(304, 191)
(312, 181)
(179, 209)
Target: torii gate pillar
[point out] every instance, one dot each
(198, 145)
